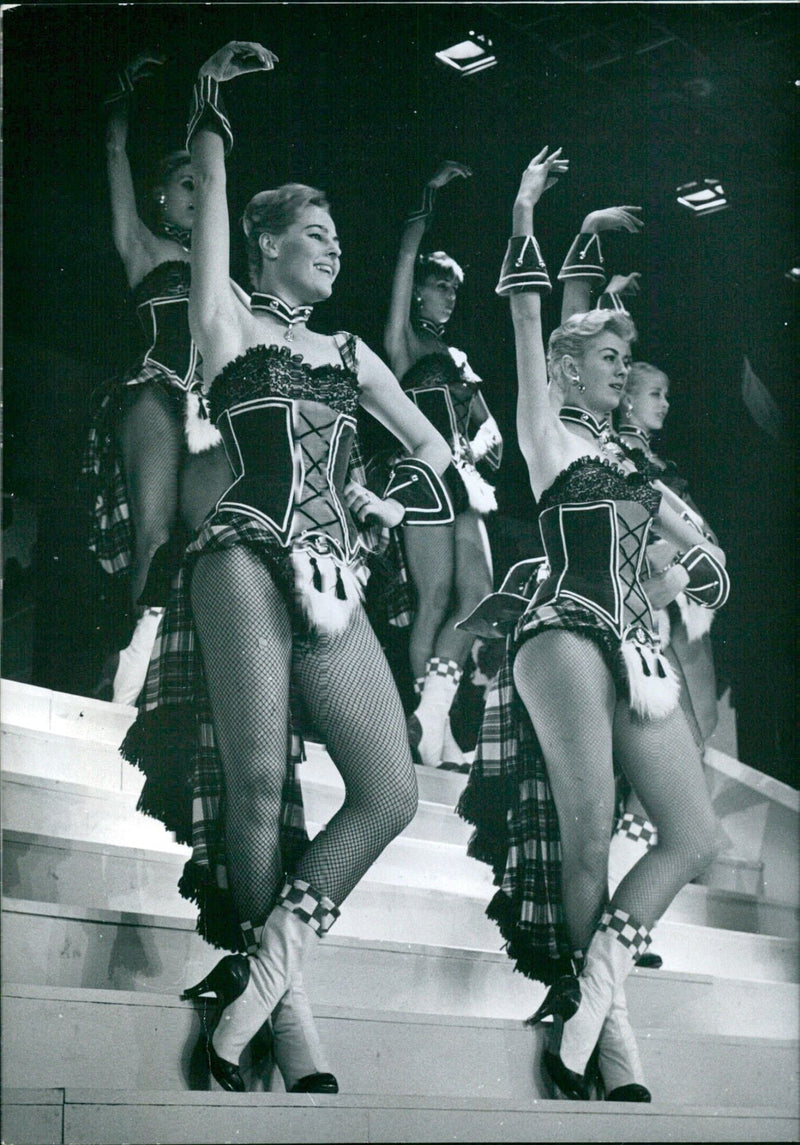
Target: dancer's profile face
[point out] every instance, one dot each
(178, 192)
(307, 257)
(647, 404)
(603, 370)
(437, 298)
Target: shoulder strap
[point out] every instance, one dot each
(348, 348)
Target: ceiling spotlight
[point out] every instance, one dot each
(702, 196)
(793, 274)
(469, 56)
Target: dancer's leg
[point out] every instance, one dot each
(245, 637)
(472, 579)
(430, 556)
(353, 702)
(570, 696)
(151, 439)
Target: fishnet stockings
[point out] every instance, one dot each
(346, 687)
(570, 696)
(150, 440)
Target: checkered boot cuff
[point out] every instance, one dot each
(635, 938)
(636, 828)
(438, 667)
(316, 909)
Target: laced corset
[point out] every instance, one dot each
(289, 429)
(448, 403)
(595, 523)
(162, 306)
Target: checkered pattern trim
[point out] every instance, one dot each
(251, 937)
(316, 909)
(635, 938)
(637, 828)
(438, 667)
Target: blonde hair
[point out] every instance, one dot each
(273, 212)
(642, 373)
(572, 336)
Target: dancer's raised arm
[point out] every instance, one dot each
(400, 339)
(214, 306)
(584, 268)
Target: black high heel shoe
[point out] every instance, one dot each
(226, 982)
(631, 1092)
(561, 1002)
(316, 1083)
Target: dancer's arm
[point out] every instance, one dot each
(583, 267)
(524, 275)
(399, 337)
(214, 308)
(136, 245)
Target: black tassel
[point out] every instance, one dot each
(316, 577)
(660, 668)
(645, 665)
(341, 594)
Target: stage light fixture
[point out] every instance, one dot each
(793, 274)
(469, 56)
(702, 196)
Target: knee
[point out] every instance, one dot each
(433, 597)
(705, 850)
(585, 846)
(401, 803)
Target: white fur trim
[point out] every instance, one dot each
(480, 493)
(200, 433)
(696, 620)
(654, 686)
(663, 627)
(324, 610)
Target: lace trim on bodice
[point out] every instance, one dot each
(169, 279)
(588, 479)
(274, 371)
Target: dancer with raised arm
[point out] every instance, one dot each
(585, 683)
(450, 567)
(136, 443)
(270, 598)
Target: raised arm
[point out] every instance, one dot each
(398, 333)
(133, 240)
(523, 277)
(212, 303)
(583, 268)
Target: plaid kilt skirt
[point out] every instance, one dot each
(111, 528)
(509, 801)
(173, 742)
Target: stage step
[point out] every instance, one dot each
(60, 1037)
(85, 1116)
(54, 946)
(416, 891)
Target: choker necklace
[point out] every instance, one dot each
(574, 415)
(436, 328)
(635, 431)
(181, 235)
(291, 315)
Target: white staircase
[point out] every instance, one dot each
(417, 1003)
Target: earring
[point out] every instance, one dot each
(576, 381)
(162, 200)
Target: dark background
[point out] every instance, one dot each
(642, 98)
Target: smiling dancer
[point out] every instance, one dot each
(270, 598)
(585, 683)
(450, 567)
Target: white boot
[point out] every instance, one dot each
(296, 1045)
(134, 660)
(426, 724)
(610, 957)
(618, 1060)
(291, 931)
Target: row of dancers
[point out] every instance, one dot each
(249, 549)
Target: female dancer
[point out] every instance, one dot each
(585, 684)
(450, 567)
(136, 443)
(271, 589)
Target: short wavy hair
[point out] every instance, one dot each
(641, 374)
(273, 212)
(572, 336)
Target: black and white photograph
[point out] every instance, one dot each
(399, 556)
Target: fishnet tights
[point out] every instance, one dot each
(151, 441)
(570, 696)
(345, 684)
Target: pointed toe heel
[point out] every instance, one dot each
(565, 1081)
(226, 981)
(632, 1092)
(316, 1083)
(226, 1073)
(561, 1000)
